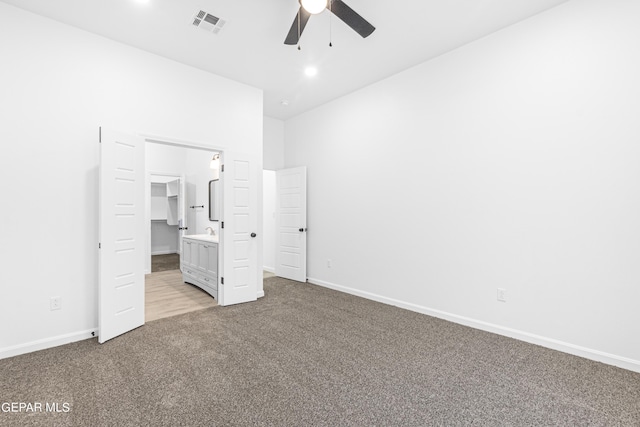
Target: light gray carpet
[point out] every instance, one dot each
(304, 355)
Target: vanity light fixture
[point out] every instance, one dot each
(214, 161)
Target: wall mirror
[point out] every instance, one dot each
(214, 203)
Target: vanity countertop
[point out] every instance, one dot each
(203, 237)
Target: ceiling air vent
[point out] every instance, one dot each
(208, 22)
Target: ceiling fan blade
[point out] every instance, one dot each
(292, 37)
(351, 18)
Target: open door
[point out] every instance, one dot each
(239, 229)
(177, 189)
(121, 234)
(183, 225)
(291, 223)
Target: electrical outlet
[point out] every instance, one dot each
(56, 303)
(502, 295)
(328, 263)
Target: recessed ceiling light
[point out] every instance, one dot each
(311, 71)
(284, 102)
(142, 1)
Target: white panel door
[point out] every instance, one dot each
(291, 223)
(240, 241)
(122, 234)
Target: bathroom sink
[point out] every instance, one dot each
(203, 237)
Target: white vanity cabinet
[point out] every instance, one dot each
(199, 262)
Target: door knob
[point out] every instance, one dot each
(253, 234)
(302, 230)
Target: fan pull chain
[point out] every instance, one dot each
(299, 13)
(330, 27)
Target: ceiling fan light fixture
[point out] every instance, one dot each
(314, 6)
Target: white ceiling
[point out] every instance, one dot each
(250, 47)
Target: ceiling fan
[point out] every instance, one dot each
(337, 7)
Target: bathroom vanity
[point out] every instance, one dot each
(199, 262)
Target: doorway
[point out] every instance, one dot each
(177, 206)
(285, 223)
(165, 207)
(121, 260)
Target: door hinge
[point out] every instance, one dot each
(100, 135)
(222, 224)
(222, 280)
(99, 245)
(221, 168)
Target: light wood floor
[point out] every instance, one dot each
(167, 295)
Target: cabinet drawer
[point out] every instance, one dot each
(208, 287)
(189, 272)
(211, 282)
(190, 275)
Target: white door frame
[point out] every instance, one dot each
(147, 217)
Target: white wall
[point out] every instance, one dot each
(164, 239)
(510, 163)
(273, 154)
(273, 160)
(269, 220)
(164, 159)
(58, 85)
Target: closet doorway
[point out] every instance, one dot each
(167, 222)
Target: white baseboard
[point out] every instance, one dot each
(269, 269)
(576, 350)
(164, 252)
(47, 343)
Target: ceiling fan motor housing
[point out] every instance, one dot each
(314, 6)
(337, 7)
